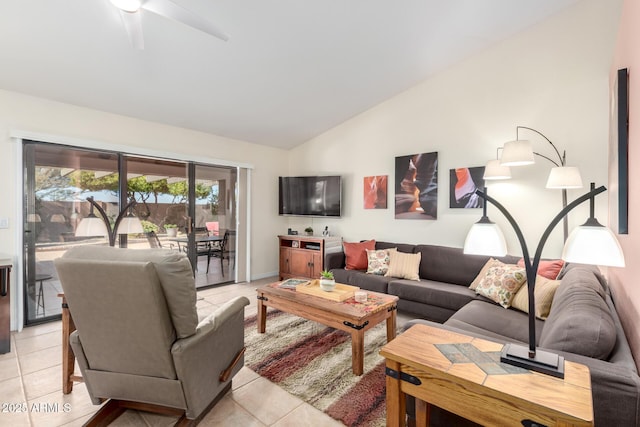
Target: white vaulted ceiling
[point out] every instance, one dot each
(290, 70)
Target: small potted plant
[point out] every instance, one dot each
(308, 231)
(327, 281)
(148, 226)
(172, 230)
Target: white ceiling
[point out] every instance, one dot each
(291, 69)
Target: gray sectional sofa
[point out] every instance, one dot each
(582, 325)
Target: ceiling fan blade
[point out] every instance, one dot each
(170, 10)
(133, 25)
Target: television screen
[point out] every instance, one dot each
(310, 195)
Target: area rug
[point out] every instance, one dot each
(313, 362)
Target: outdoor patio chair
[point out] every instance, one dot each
(155, 243)
(226, 248)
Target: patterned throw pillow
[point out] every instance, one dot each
(404, 266)
(544, 292)
(491, 263)
(501, 283)
(379, 261)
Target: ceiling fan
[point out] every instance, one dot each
(130, 10)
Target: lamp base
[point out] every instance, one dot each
(543, 362)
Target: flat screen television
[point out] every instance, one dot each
(310, 195)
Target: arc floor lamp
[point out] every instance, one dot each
(561, 176)
(590, 243)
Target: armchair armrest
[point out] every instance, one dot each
(221, 315)
(201, 358)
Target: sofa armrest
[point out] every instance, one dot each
(201, 358)
(615, 390)
(334, 260)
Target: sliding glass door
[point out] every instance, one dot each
(183, 206)
(213, 218)
(57, 181)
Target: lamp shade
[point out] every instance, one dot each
(564, 177)
(517, 153)
(59, 218)
(494, 171)
(485, 238)
(130, 225)
(127, 5)
(593, 244)
(92, 226)
(33, 217)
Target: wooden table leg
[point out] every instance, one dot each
(357, 351)
(423, 413)
(262, 314)
(68, 358)
(396, 403)
(391, 324)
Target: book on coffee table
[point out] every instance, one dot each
(292, 283)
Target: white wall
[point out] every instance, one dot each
(25, 113)
(552, 77)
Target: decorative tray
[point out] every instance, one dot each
(340, 293)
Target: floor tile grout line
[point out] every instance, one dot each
(23, 388)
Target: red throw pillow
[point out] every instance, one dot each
(356, 254)
(549, 269)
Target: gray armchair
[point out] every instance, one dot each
(138, 341)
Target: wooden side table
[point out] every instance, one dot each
(463, 375)
(68, 357)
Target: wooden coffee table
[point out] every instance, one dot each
(464, 375)
(349, 316)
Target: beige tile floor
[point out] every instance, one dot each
(31, 385)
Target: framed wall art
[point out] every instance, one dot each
(416, 186)
(619, 154)
(622, 118)
(463, 183)
(375, 192)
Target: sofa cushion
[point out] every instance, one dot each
(401, 247)
(501, 283)
(175, 274)
(543, 295)
(356, 254)
(369, 282)
(580, 321)
(378, 261)
(451, 265)
(492, 320)
(430, 292)
(403, 266)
